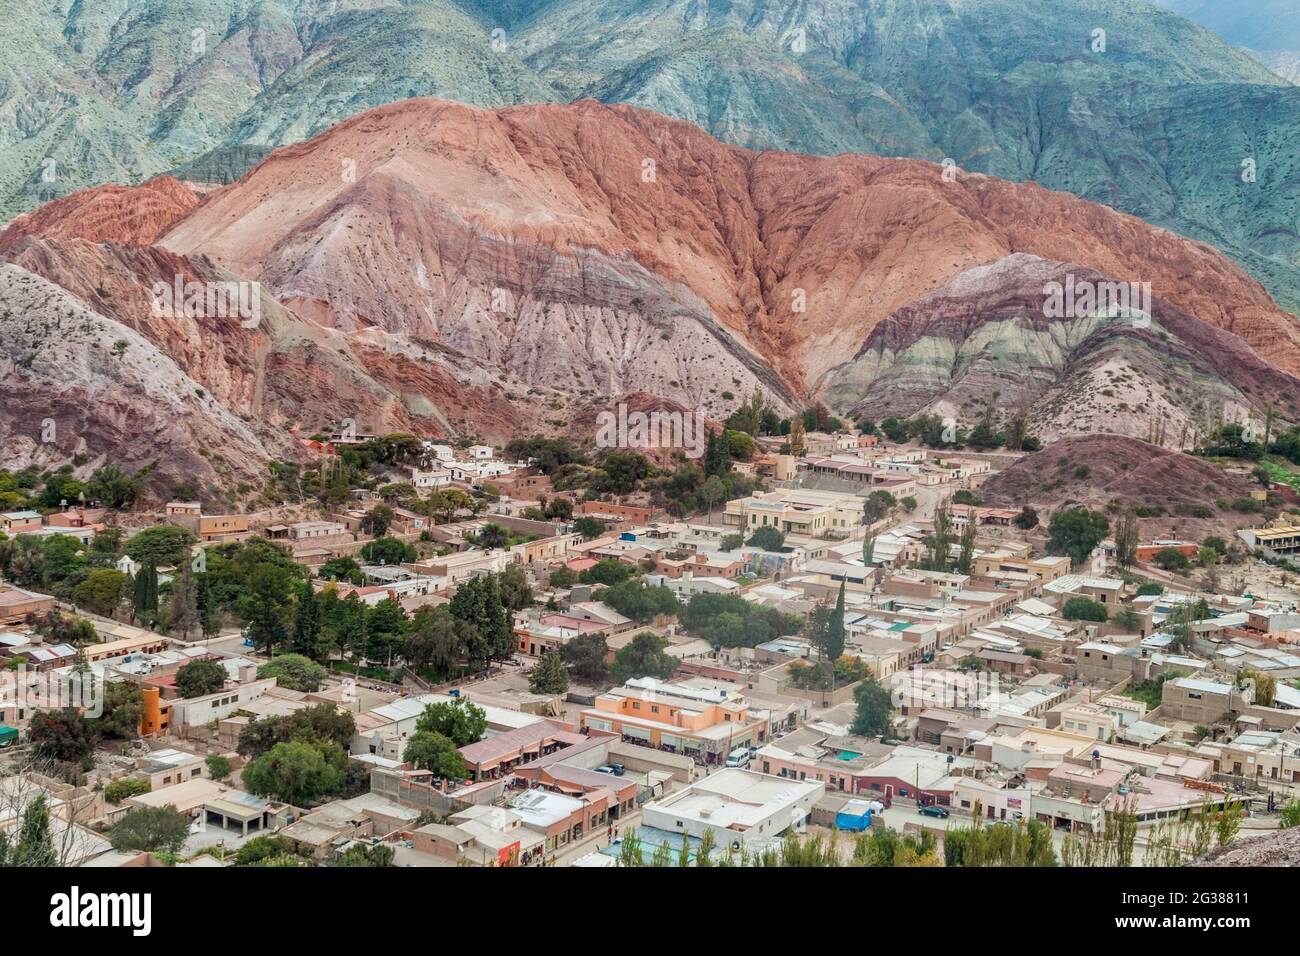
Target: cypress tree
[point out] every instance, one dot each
(306, 623)
(835, 630)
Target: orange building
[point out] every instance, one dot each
(156, 719)
(1148, 552)
(705, 723)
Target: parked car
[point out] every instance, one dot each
(934, 810)
(739, 757)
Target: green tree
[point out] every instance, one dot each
(268, 605)
(61, 735)
(644, 656)
(101, 591)
(1080, 608)
(144, 595)
(1075, 532)
(767, 538)
(378, 520)
(294, 671)
(458, 720)
(585, 656)
(1027, 519)
(297, 772)
(1126, 538)
(199, 678)
(435, 752)
(119, 790)
(1171, 559)
(941, 540)
(966, 544)
(437, 640)
(114, 488)
(219, 767)
(151, 829)
(711, 492)
(33, 844)
(306, 623)
(589, 527)
(1290, 815)
(387, 551)
(386, 629)
(608, 572)
(161, 545)
(549, 676)
(123, 706)
(360, 855)
(871, 718)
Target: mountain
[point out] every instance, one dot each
(1285, 63)
(1254, 24)
(521, 267)
(77, 383)
(1157, 122)
(124, 214)
(984, 341)
(619, 240)
(118, 92)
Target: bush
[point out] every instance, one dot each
(218, 766)
(1291, 815)
(261, 848)
(119, 790)
(1080, 608)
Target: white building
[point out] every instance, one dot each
(433, 478)
(440, 452)
(740, 807)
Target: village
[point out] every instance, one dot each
(841, 654)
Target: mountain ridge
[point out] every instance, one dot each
(1006, 87)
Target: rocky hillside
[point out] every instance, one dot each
(1272, 849)
(985, 339)
(131, 215)
(1156, 117)
(1170, 490)
(454, 271)
(73, 383)
(663, 260)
